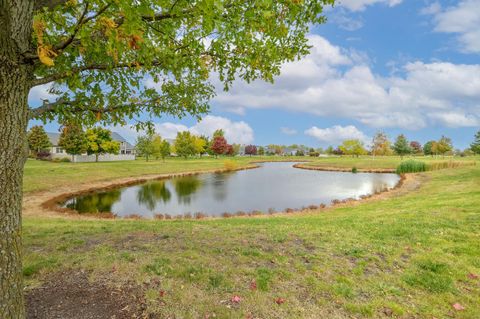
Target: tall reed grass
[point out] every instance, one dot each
(449, 164)
(412, 166)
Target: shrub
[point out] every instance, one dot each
(230, 165)
(354, 170)
(43, 155)
(411, 166)
(65, 160)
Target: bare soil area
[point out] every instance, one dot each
(72, 295)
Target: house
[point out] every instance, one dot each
(125, 147)
(126, 153)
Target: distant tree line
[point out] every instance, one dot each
(188, 145)
(381, 146)
(74, 140)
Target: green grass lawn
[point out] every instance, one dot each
(406, 257)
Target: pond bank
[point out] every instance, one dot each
(46, 203)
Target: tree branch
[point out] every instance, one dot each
(90, 67)
(81, 21)
(76, 107)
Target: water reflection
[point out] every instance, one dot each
(152, 193)
(95, 203)
(218, 185)
(185, 187)
(275, 186)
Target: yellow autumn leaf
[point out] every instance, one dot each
(46, 55)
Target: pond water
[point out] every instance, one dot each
(273, 186)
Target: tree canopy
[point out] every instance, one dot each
(250, 150)
(38, 139)
(401, 146)
(353, 147)
(99, 141)
(185, 144)
(111, 59)
(72, 139)
(145, 146)
(381, 144)
(442, 146)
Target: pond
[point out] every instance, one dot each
(271, 187)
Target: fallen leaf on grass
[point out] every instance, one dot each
(472, 276)
(458, 307)
(279, 301)
(236, 299)
(253, 285)
(162, 293)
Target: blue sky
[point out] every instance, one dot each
(410, 66)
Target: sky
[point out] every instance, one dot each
(399, 66)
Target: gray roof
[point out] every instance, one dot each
(54, 137)
(117, 137)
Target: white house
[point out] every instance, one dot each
(126, 153)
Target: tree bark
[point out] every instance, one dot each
(16, 73)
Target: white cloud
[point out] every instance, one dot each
(462, 19)
(333, 81)
(433, 8)
(169, 130)
(288, 131)
(336, 134)
(454, 119)
(39, 93)
(360, 5)
(235, 132)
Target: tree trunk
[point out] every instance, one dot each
(16, 73)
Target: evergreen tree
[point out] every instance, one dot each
(38, 139)
(401, 146)
(475, 146)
